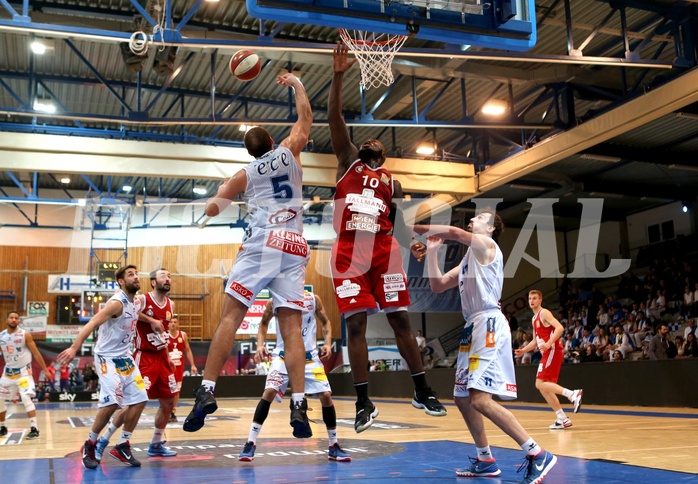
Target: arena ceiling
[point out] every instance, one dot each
(604, 105)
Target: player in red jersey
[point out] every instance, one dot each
(154, 363)
(366, 261)
(548, 331)
(177, 347)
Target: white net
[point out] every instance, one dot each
(375, 53)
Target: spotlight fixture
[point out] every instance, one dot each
(134, 62)
(494, 107)
(426, 149)
(127, 188)
(44, 105)
(200, 190)
(684, 207)
(65, 180)
(38, 47)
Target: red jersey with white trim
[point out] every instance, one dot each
(543, 332)
(362, 201)
(146, 338)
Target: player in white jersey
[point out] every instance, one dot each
(315, 378)
(485, 364)
(273, 254)
(17, 347)
(120, 381)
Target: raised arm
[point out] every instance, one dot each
(113, 309)
(321, 315)
(438, 281)
(342, 146)
(482, 245)
(298, 138)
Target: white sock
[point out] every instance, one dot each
(158, 435)
(561, 415)
(484, 453)
(332, 434)
(567, 393)
(32, 422)
(530, 447)
(125, 437)
(298, 397)
(93, 437)
(210, 385)
(255, 429)
(110, 431)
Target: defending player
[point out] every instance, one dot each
(177, 347)
(548, 331)
(315, 378)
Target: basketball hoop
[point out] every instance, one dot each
(375, 53)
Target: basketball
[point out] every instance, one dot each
(245, 65)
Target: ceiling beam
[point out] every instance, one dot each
(21, 152)
(659, 102)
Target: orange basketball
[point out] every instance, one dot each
(245, 65)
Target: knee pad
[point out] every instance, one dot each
(27, 401)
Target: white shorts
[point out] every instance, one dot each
(315, 377)
(485, 360)
(260, 264)
(120, 381)
(17, 380)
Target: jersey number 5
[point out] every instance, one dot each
(282, 190)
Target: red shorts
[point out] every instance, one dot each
(367, 274)
(550, 363)
(179, 373)
(156, 372)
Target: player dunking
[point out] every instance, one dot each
(485, 365)
(274, 254)
(548, 331)
(315, 378)
(366, 262)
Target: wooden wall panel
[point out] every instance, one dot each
(198, 274)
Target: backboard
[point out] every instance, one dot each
(498, 24)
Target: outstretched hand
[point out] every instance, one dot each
(433, 243)
(341, 63)
(289, 80)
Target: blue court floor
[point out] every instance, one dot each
(288, 460)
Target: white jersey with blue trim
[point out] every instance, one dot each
(308, 328)
(480, 285)
(115, 335)
(13, 347)
(274, 194)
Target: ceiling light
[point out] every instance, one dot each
(609, 159)
(127, 188)
(684, 207)
(606, 195)
(681, 114)
(684, 167)
(528, 187)
(494, 107)
(426, 149)
(44, 105)
(212, 1)
(408, 197)
(38, 47)
(65, 180)
(316, 199)
(243, 127)
(200, 190)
